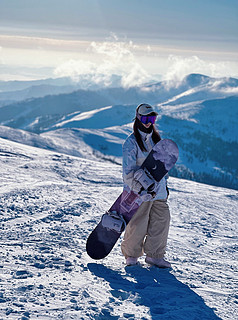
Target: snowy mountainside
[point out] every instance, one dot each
(208, 141)
(37, 114)
(17, 85)
(83, 81)
(200, 113)
(49, 204)
(107, 117)
(82, 143)
(193, 87)
(12, 91)
(40, 114)
(39, 91)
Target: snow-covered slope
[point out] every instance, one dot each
(97, 145)
(49, 204)
(208, 139)
(38, 114)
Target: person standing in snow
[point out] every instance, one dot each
(147, 231)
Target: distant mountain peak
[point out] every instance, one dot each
(196, 79)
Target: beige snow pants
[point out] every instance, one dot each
(147, 231)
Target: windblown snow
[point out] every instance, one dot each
(51, 201)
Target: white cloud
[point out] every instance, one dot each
(1, 58)
(179, 67)
(97, 62)
(113, 57)
(74, 68)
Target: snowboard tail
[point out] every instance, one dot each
(101, 241)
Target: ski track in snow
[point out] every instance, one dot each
(50, 202)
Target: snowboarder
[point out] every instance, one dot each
(147, 231)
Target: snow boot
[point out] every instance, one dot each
(131, 261)
(159, 262)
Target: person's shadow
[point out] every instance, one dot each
(157, 289)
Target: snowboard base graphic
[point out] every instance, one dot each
(160, 160)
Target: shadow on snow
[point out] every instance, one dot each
(157, 289)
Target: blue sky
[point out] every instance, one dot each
(50, 35)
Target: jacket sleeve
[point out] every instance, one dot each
(129, 162)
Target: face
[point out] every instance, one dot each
(147, 125)
(147, 120)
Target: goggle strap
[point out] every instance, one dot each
(138, 116)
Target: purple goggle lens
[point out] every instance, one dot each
(147, 119)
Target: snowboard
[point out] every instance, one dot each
(160, 160)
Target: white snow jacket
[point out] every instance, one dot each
(133, 157)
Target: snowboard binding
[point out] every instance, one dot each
(146, 180)
(113, 221)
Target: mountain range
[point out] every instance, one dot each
(199, 113)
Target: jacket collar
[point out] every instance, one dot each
(145, 136)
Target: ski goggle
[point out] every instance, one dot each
(146, 119)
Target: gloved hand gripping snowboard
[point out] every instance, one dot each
(146, 180)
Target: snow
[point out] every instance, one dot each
(82, 116)
(51, 201)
